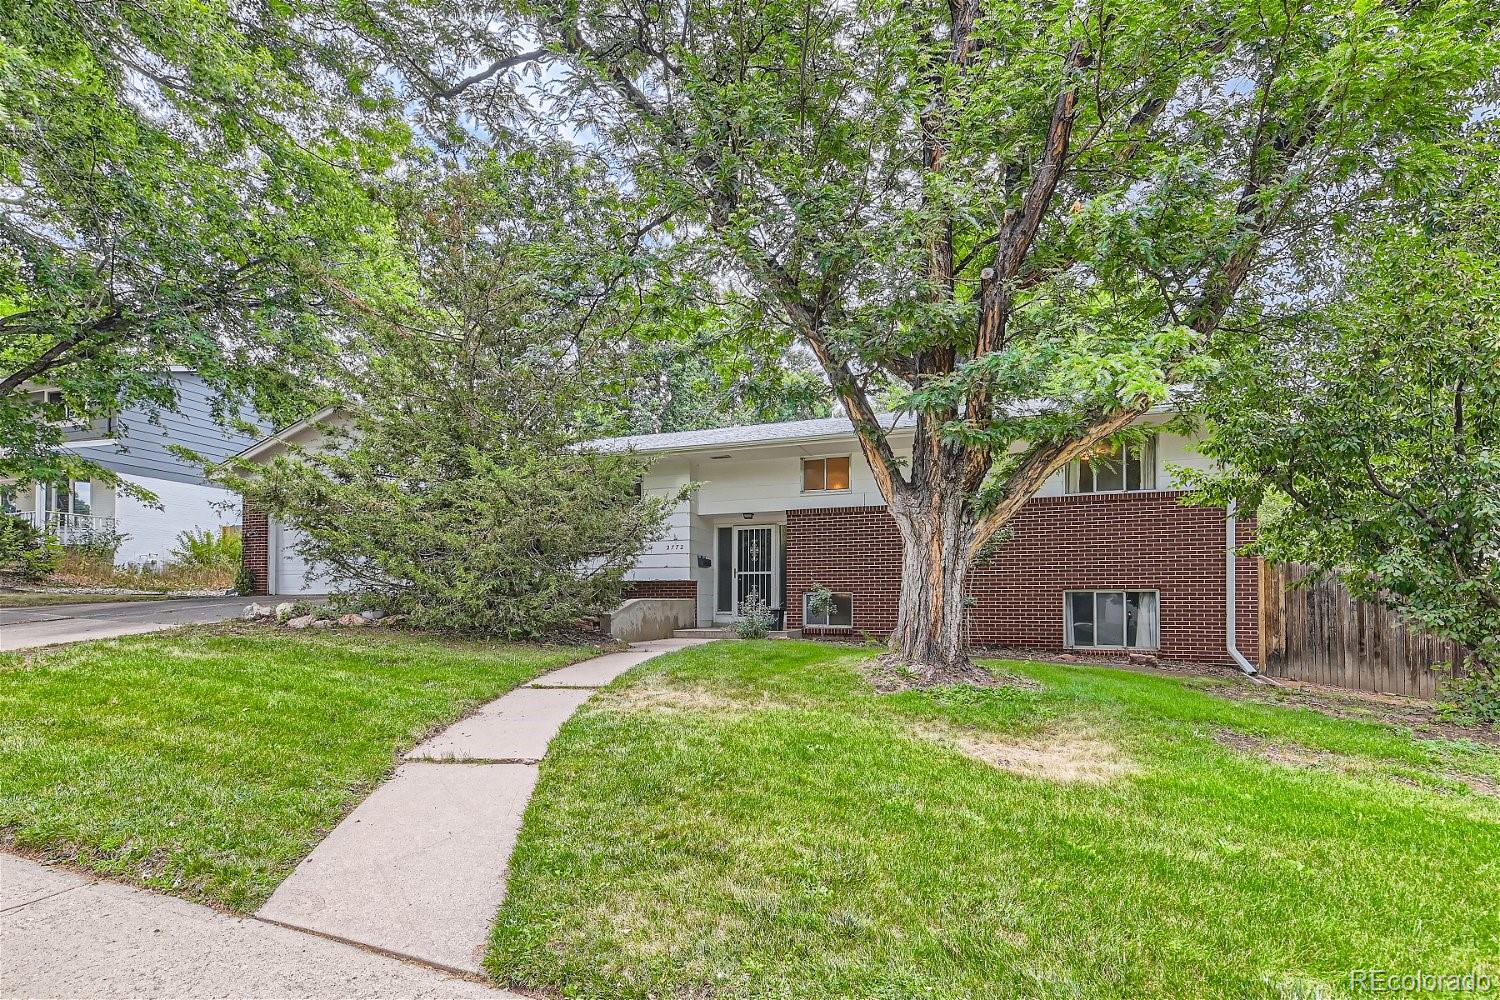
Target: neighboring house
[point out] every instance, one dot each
(1105, 558)
(137, 445)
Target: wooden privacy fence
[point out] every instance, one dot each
(1314, 631)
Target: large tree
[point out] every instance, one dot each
(182, 183)
(456, 491)
(1023, 221)
(1367, 432)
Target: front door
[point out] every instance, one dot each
(754, 565)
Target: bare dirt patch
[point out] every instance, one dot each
(1420, 717)
(659, 694)
(1298, 756)
(1288, 754)
(888, 674)
(1065, 757)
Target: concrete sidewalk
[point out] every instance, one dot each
(63, 934)
(418, 869)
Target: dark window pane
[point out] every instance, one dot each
(1085, 476)
(843, 610)
(726, 570)
(1109, 618)
(812, 474)
(1081, 616)
(1132, 468)
(1109, 473)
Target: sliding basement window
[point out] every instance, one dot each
(1111, 619)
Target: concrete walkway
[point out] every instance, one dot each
(46, 625)
(418, 869)
(63, 934)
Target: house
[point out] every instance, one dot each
(138, 446)
(1103, 559)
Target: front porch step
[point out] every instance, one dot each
(727, 633)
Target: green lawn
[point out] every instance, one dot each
(41, 598)
(750, 820)
(207, 763)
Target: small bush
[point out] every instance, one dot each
(755, 619)
(94, 542)
(1473, 699)
(26, 552)
(208, 549)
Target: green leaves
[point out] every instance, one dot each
(1367, 432)
(190, 188)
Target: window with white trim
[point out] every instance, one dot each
(1111, 619)
(74, 497)
(840, 613)
(825, 475)
(1125, 468)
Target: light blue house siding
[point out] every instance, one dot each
(138, 446)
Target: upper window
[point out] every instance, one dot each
(825, 475)
(1122, 469)
(840, 613)
(1111, 619)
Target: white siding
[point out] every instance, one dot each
(184, 506)
(670, 556)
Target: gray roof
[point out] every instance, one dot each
(789, 432)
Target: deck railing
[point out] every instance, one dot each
(72, 529)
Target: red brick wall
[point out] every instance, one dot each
(661, 588)
(1144, 541)
(256, 533)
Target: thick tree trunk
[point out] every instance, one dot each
(931, 637)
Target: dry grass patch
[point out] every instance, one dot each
(1294, 755)
(1066, 757)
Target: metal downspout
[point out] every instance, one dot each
(1231, 592)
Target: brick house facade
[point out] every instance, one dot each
(1127, 541)
(669, 589)
(255, 535)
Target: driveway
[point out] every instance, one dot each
(22, 628)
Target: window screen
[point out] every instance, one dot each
(841, 615)
(1119, 619)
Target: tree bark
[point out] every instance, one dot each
(931, 635)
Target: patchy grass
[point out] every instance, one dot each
(751, 820)
(42, 598)
(208, 763)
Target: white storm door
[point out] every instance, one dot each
(754, 564)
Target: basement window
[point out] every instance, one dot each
(841, 615)
(1110, 619)
(1126, 468)
(825, 475)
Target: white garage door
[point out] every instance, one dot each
(293, 573)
